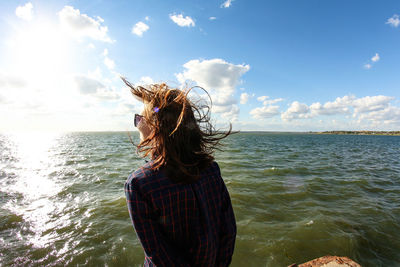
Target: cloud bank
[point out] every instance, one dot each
(81, 25)
(218, 77)
(25, 12)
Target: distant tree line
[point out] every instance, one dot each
(362, 132)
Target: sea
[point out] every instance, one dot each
(296, 197)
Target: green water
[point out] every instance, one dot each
(295, 196)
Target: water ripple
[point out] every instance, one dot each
(296, 197)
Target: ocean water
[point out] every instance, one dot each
(296, 197)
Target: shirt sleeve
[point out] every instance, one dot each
(148, 230)
(227, 230)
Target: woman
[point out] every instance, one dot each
(178, 202)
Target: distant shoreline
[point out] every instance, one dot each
(329, 132)
(392, 133)
(360, 132)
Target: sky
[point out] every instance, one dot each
(283, 65)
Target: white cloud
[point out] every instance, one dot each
(390, 115)
(375, 58)
(107, 94)
(218, 77)
(221, 99)
(96, 74)
(140, 28)
(88, 85)
(11, 81)
(268, 110)
(127, 108)
(57, 102)
(264, 112)
(10, 87)
(109, 63)
(272, 101)
(182, 21)
(394, 21)
(262, 98)
(341, 105)
(212, 18)
(296, 110)
(147, 18)
(145, 80)
(368, 111)
(81, 25)
(244, 97)
(216, 74)
(226, 4)
(371, 103)
(25, 12)
(30, 100)
(229, 113)
(267, 101)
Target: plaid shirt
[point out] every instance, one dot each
(182, 225)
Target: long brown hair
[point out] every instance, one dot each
(182, 138)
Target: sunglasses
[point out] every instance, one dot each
(138, 118)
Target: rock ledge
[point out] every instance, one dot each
(329, 261)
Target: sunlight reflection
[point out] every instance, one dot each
(36, 160)
(34, 153)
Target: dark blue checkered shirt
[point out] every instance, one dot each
(182, 225)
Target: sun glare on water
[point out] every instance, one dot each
(35, 161)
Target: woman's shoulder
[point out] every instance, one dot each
(145, 176)
(213, 167)
(211, 173)
(146, 169)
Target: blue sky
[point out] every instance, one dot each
(284, 65)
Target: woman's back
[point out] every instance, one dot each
(182, 224)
